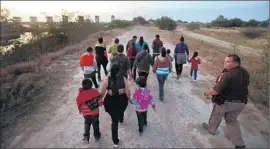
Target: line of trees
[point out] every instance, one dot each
(221, 21)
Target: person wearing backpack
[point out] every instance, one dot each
(117, 93)
(143, 61)
(89, 65)
(181, 54)
(131, 54)
(88, 100)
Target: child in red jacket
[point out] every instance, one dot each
(195, 61)
(88, 102)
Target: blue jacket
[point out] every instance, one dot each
(181, 48)
(139, 47)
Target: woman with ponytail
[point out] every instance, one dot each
(117, 93)
(162, 67)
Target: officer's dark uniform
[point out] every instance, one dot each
(232, 85)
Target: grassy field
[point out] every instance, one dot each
(235, 36)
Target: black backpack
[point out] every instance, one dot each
(115, 85)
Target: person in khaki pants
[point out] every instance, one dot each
(230, 97)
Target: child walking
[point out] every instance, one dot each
(195, 61)
(142, 98)
(168, 51)
(88, 102)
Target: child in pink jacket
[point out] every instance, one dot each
(142, 98)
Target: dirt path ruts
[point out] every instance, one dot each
(247, 51)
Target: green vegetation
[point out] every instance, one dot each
(166, 23)
(193, 26)
(252, 33)
(221, 21)
(139, 20)
(119, 24)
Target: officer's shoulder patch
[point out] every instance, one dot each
(221, 75)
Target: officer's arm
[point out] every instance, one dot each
(222, 84)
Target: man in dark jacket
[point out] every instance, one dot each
(143, 62)
(134, 39)
(101, 57)
(123, 62)
(156, 45)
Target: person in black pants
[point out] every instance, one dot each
(181, 54)
(101, 57)
(116, 99)
(88, 107)
(143, 62)
(142, 98)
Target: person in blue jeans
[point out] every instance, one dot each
(162, 67)
(195, 62)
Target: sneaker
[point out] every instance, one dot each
(205, 126)
(140, 133)
(86, 140)
(177, 77)
(240, 146)
(117, 144)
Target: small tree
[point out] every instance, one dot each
(166, 23)
(139, 20)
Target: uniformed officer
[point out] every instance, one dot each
(230, 97)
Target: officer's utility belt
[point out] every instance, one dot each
(235, 101)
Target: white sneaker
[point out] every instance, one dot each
(116, 145)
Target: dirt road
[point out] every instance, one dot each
(176, 123)
(247, 51)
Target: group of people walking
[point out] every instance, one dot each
(114, 93)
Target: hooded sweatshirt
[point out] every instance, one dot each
(83, 97)
(143, 61)
(142, 98)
